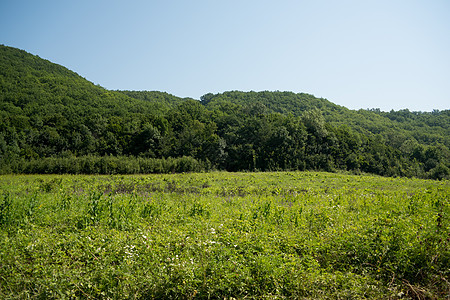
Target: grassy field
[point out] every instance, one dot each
(222, 235)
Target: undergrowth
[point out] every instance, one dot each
(224, 235)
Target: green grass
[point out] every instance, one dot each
(220, 235)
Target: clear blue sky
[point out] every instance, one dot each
(388, 54)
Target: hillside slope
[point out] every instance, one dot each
(48, 111)
(162, 98)
(422, 127)
(28, 83)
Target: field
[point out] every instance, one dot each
(224, 235)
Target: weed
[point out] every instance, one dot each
(5, 209)
(199, 209)
(291, 235)
(94, 208)
(50, 185)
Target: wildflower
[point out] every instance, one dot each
(130, 251)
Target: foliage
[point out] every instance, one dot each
(108, 165)
(224, 235)
(54, 121)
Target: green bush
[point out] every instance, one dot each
(108, 165)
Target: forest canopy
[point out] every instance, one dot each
(54, 121)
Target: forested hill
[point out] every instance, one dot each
(280, 102)
(53, 120)
(396, 126)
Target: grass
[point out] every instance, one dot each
(302, 235)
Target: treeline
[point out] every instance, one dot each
(90, 164)
(54, 121)
(243, 138)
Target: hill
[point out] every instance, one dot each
(162, 98)
(47, 110)
(49, 113)
(424, 127)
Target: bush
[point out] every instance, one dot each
(107, 165)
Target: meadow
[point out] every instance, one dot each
(274, 235)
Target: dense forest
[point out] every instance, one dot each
(54, 121)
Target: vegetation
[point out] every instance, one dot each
(52, 116)
(219, 235)
(289, 234)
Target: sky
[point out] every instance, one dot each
(387, 54)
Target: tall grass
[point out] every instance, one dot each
(222, 235)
